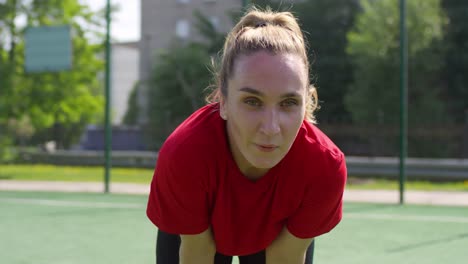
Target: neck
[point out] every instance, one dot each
(253, 174)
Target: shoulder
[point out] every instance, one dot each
(194, 138)
(318, 147)
(182, 178)
(320, 164)
(318, 159)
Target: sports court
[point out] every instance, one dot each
(72, 228)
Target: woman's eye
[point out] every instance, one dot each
(252, 102)
(289, 102)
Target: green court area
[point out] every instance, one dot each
(40, 228)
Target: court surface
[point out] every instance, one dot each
(72, 228)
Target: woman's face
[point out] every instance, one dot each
(264, 109)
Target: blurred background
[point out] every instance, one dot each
(53, 120)
(53, 93)
(160, 67)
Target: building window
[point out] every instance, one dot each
(183, 29)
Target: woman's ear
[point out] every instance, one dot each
(222, 108)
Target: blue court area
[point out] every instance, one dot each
(40, 228)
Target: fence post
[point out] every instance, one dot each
(465, 136)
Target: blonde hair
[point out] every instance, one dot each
(275, 32)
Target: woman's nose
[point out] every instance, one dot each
(270, 123)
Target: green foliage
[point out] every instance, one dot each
(457, 57)
(59, 105)
(21, 129)
(6, 150)
(176, 88)
(131, 116)
(213, 40)
(6, 145)
(374, 47)
(182, 72)
(22, 172)
(325, 24)
(178, 81)
(5, 84)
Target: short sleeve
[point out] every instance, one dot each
(322, 206)
(177, 203)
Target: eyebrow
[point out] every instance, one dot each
(258, 93)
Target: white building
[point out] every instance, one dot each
(125, 63)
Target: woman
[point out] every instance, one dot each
(249, 175)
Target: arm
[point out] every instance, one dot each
(198, 248)
(320, 212)
(287, 249)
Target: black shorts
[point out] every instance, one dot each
(167, 252)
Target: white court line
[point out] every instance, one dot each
(400, 217)
(71, 203)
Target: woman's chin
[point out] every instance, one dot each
(265, 164)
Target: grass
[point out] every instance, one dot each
(383, 184)
(73, 173)
(143, 176)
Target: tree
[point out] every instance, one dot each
(5, 141)
(213, 40)
(457, 58)
(325, 24)
(21, 129)
(60, 104)
(131, 115)
(374, 46)
(5, 85)
(178, 81)
(8, 35)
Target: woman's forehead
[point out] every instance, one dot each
(269, 73)
(263, 62)
(264, 59)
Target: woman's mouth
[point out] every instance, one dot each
(266, 147)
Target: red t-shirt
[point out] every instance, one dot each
(197, 184)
